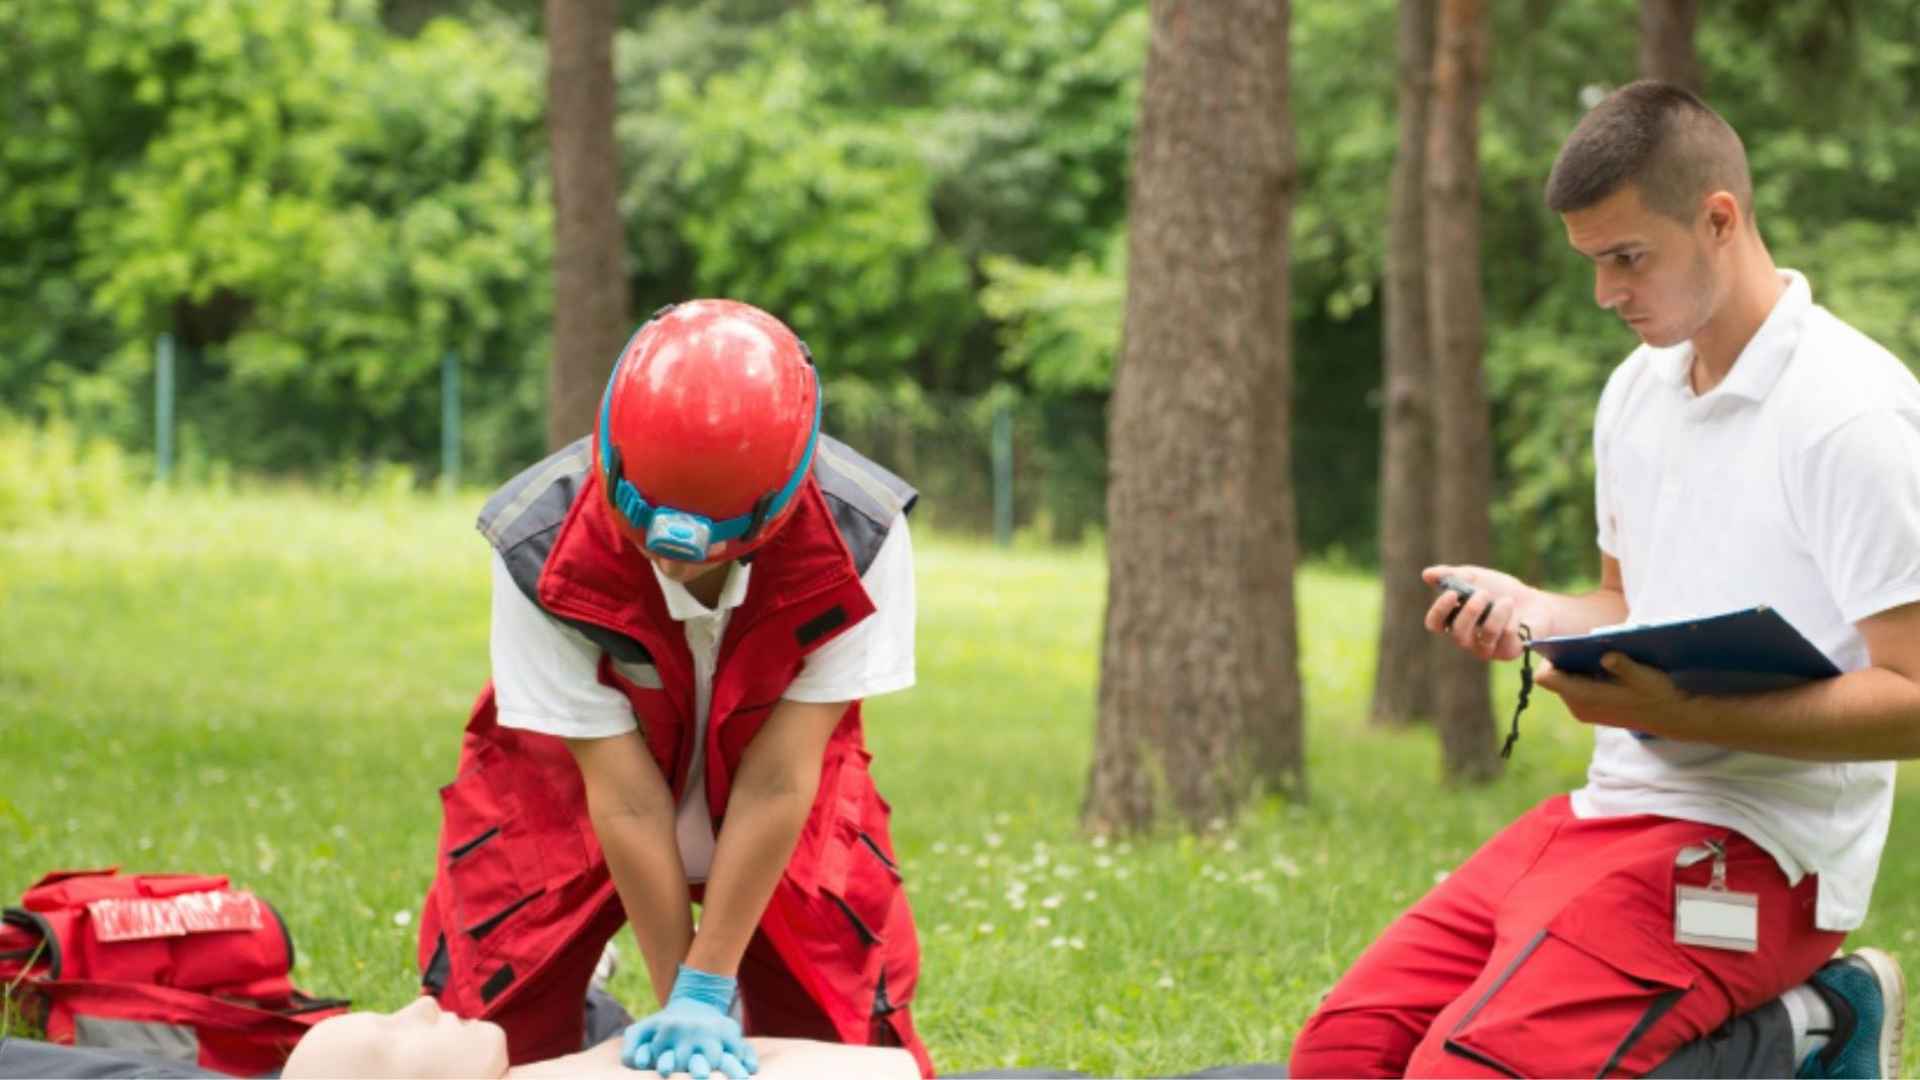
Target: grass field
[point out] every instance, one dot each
(272, 686)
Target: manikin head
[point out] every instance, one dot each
(420, 1040)
(1653, 187)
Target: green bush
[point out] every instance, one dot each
(51, 471)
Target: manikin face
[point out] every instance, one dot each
(1659, 275)
(420, 1040)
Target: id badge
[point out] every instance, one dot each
(1715, 917)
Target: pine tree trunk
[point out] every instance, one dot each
(590, 317)
(1402, 682)
(1463, 452)
(1199, 685)
(1666, 42)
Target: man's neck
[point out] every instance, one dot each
(1755, 292)
(707, 587)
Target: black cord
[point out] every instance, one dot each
(1526, 690)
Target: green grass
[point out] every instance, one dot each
(272, 686)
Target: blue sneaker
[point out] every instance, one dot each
(1868, 996)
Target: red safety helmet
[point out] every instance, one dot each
(707, 429)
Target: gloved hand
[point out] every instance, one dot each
(694, 1032)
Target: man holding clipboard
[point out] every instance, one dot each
(1755, 450)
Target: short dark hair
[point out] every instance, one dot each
(1659, 137)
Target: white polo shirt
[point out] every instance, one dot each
(546, 673)
(1793, 483)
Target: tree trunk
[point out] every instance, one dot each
(1463, 453)
(1199, 682)
(1666, 42)
(590, 319)
(1402, 681)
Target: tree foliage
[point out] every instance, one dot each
(321, 210)
(321, 198)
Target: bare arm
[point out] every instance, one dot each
(771, 796)
(633, 816)
(1868, 715)
(1508, 603)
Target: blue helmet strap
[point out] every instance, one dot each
(683, 534)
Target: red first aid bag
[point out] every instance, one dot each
(177, 966)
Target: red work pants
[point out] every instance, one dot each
(1551, 952)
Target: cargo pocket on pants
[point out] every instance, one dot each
(1567, 1008)
(483, 855)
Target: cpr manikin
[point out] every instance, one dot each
(426, 1042)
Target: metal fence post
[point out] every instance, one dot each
(450, 421)
(163, 407)
(1002, 474)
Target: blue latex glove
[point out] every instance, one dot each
(694, 1032)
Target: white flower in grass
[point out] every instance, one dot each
(1090, 895)
(1122, 874)
(146, 843)
(1124, 848)
(1057, 943)
(1439, 876)
(403, 918)
(939, 847)
(1051, 902)
(963, 850)
(1041, 922)
(944, 928)
(1286, 866)
(1229, 844)
(1165, 983)
(1076, 943)
(1016, 902)
(993, 839)
(1100, 841)
(1066, 870)
(985, 928)
(1103, 862)
(982, 861)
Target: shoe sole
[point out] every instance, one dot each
(1893, 991)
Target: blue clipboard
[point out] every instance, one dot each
(1739, 652)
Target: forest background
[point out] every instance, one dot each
(322, 200)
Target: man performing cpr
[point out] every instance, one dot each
(1755, 450)
(688, 606)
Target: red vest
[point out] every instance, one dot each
(803, 593)
(522, 901)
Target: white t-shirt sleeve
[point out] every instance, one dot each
(876, 656)
(546, 674)
(1858, 495)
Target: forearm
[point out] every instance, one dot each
(765, 813)
(1569, 614)
(1868, 715)
(643, 855)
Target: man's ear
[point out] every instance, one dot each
(1722, 215)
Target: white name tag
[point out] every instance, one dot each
(1716, 918)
